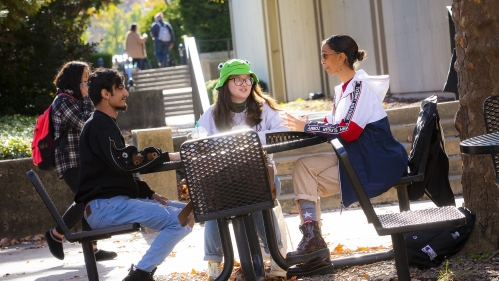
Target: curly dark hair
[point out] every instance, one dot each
(103, 78)
(69, 77)
(224, 108)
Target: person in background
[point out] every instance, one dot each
(360, 122)
(69, 112)
(135, 46)
(164, 38)
(240, 103)
(116, 64)
(107, 187)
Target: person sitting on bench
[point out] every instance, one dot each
(107, 187)
(360, 122)
(70, 109)
(241, 103)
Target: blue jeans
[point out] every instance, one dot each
(149, 213)
(213, 245)
(139, 63)
(161, 50)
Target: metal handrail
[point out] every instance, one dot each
(200, 99)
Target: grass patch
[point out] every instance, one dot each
(481, 257)
(446, 275)
(16, 134)
(307, 105)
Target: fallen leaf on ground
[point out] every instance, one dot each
(38, 237)
(339, 249)
(4, 242)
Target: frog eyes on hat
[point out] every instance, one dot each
(247, 62)
(220, 66)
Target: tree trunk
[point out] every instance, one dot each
(477, 66)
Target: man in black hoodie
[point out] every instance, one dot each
(107, 187)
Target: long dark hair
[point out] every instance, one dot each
(345, 44)
(69, 78)
(223, 111)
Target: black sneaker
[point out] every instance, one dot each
(102, 255)
(54, 244)
(139, 275)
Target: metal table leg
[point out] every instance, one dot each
(268, 223)
(243, 248)
(254, 246)
(362, 259)
(223, 229)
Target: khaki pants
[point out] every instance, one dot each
(315, 176)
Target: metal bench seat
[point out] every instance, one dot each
(399, 223)
(410, 221)
(83, 237)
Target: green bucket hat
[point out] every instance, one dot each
(234, 67)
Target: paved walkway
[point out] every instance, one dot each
(28, 262)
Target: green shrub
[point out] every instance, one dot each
(210, 88)
(108, 59)
(32, 54)
(16, 134)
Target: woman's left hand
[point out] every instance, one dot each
(160, 198)
(293, 123)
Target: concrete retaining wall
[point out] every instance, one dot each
(146, 109)
(22, 211)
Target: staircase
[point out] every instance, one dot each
(402, 121)
(175, 82)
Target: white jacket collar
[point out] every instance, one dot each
(378, 84)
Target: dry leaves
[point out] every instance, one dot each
(5, 242)
(340, 249)
(183, 191)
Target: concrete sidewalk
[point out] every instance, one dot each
(28, 262)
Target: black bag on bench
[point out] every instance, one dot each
(429, 248)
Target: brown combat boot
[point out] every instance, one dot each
(315, 266)
(312, 245)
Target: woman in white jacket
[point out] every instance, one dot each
(360, 122)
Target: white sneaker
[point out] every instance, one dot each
(213, 270)
(275, 270)
(265, 256)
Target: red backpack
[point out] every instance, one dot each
(43, 144)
